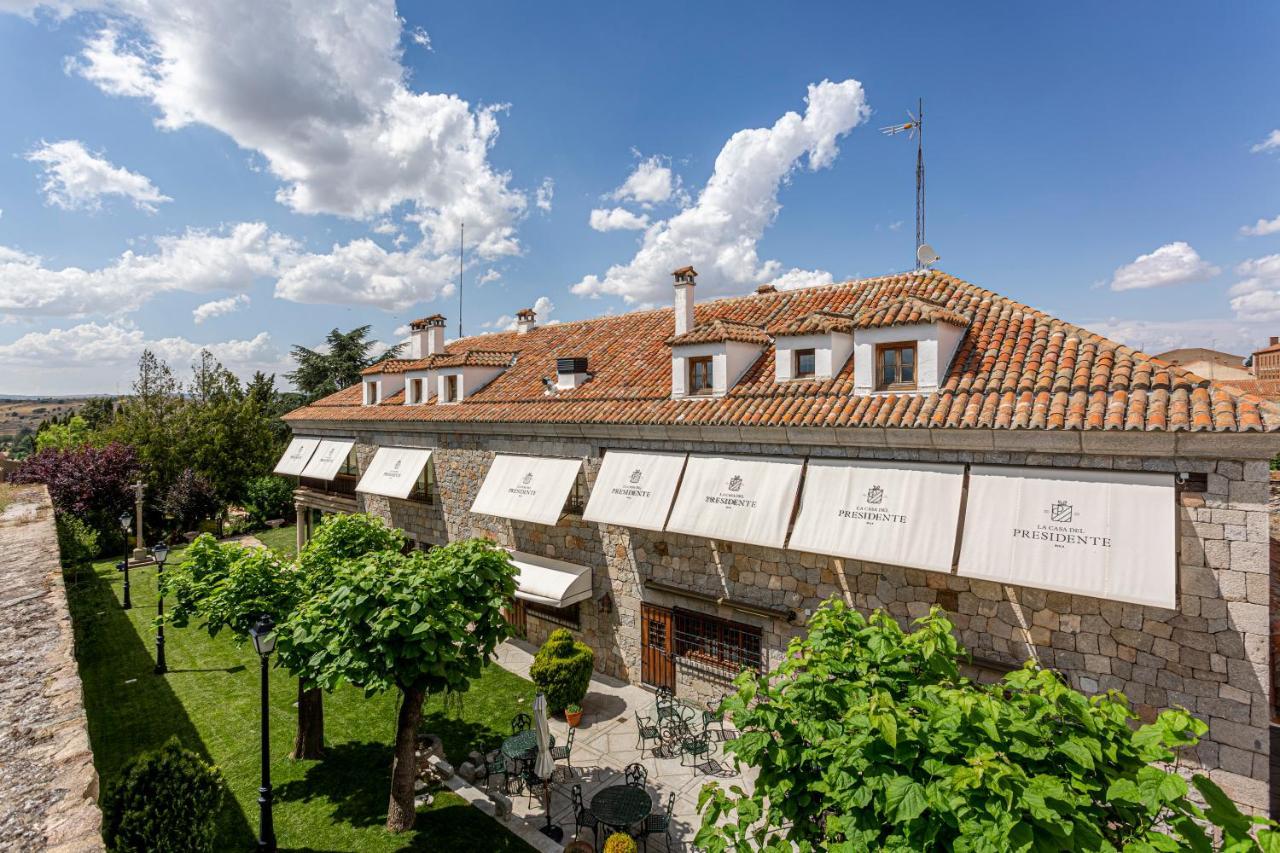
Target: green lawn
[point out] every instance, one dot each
(283, 540)
(209, 700)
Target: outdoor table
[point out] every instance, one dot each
(620, 806)
(674, 720)
(522, 748)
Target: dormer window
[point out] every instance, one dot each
(896, 366)
(451, 389)
(806, 363)
(414, 391)
(701, 375)
(370, 393)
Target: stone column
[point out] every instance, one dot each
(301, 530)
(140, 551)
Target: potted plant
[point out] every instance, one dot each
(573, 714)
(620, 842)
(562, 670)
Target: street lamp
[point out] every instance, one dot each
(264, 641)
(125, 520)
(160, 553)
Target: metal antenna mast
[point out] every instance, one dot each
(914, 127)
(462, 231)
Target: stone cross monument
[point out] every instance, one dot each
(140, 552)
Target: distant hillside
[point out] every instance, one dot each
(17, 412)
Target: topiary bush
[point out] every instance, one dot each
(268, 497)
(166, 801)
(619, 842)
(562, 670)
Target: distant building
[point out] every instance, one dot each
(1266, 361)
(1209, 363)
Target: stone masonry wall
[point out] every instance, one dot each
(1210, 655)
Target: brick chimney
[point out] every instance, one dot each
(684, 283)
(1274, 340)
(525, 319)
(426, 336)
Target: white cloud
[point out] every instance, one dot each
(75, 179)
(895, 226)
(385, 227)
(219, 307)
(1271, 143)
(487, 276)
(1155, 336)
(1262, 228)
(719, 233)
(543, 307)
(324, 99)
(197, 261)
(1256, 297)
(651, 183)
(794, 279)
(421, 38)
(363, 273)
(545, 193)
(1172, 263)
(617, 219)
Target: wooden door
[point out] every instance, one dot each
(516, 617)
(657, 661)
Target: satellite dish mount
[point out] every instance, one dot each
(914, 127)
(925, 256)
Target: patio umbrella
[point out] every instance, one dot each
(545, 765)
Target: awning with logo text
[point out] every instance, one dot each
(327, 460)
(1106, 534)
(898, 513)
(527, 488)
(555, 583)
(296, 456)
(394, 471)
(737, 498)
(635, 489)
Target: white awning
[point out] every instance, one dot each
(737, 498)
(296, 456)
(555, 583)
(635, 489)
(897, 513)
(393, 471)
(527, 488)
(328, 458)
(1106, 534)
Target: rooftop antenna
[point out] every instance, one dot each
(462, 231)
(914, 128)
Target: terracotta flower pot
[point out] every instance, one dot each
(579, 846)
(573, 718)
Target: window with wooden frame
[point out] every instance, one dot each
(701, 375)
(451, 389)
(424, 490)
(804, 363)
(718, 643)
(415, 391)
(350, 465)
(577, 500)
(371, 392)
(896, 366)
(567, 617)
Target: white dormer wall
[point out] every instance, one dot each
(729, 360)
(428, 386)
(470, 380)
(386, 384)
(936, 345)
(830, 352)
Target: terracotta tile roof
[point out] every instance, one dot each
(424, 322)
(817, 323)
(1016, 368)
(720, 330)
(390, 365)
(908, 311)
(1267, 389)
(469, 358)
(1271, 348)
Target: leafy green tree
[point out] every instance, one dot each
(98, 411)
(148, 421)
(562, 670)
(868, 738)
(417, 623)
(268, 497)
(59, 436)
(322, 372)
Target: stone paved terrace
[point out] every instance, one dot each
(48, 784)
(605, 743)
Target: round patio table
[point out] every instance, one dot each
(619, 806)
(522, 749)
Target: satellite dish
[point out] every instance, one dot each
(926, 255)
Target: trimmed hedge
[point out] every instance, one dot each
(166, 801)
(562, 670)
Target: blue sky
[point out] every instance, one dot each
(291, 172)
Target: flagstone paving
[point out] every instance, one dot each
(605, 743)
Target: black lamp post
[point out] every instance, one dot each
(125, 519)
(160, 553)
(264, 641)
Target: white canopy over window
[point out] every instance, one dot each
(898, 513)
(328, 459)
(1106, 534)
(296, 456)
(527, 488)
(393, 471)
(554, 583)
(737, 498)
(635, 489)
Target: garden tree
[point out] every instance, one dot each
(268, 497)
(98, 412)
(148, 422)
(338, 365)
(417, 623)
(868, 738)
(63, 436)
(87, 481)
(190, 500)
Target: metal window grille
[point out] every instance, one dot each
(577, 500)
(565, 616)
(424, 491)
(718, 643)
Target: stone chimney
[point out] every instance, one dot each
(426, 336)
(525, 319)
(1274, 340)
(684, 298)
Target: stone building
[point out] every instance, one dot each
(682, 487)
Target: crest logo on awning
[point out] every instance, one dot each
(735, 483)
(527, 479)
(635, 476)
(1061, 512)
(875, 495)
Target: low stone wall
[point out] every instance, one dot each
(48, 784)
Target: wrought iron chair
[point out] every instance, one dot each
(713, 714)
(659, 822)
(647, 730)
(521, 723)
(559, 753)
(635, 775)
(496, 765)
(695, 746)
(582, 815)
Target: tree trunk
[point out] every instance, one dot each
(404, 766)
(308, 743)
